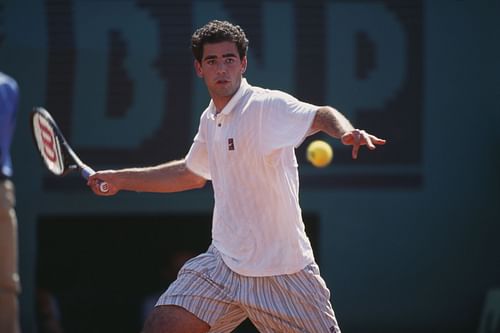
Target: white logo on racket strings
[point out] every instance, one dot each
(48, 145)
(48, 141)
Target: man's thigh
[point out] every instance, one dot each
(204, 287)
(174, 319)
(297, 302)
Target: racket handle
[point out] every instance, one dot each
(87, 171)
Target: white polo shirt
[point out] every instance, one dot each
(248, 151)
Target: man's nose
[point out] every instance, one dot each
(221, 67)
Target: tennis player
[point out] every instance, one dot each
(260, 264)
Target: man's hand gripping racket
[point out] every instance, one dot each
(55, 151)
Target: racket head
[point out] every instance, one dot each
(50, 143)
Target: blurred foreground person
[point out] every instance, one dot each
(9, 277)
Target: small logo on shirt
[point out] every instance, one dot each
(230, 144)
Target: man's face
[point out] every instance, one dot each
(221, 68)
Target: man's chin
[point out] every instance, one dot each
(226, 91)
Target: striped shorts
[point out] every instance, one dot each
(298, 302)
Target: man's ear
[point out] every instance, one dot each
(244, 63)
(198, 69)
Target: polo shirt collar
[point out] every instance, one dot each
(244, 86)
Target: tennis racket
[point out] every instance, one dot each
(55, 151)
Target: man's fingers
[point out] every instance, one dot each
(366, 139)
(355, 150)
(356, 136)
(377, 141)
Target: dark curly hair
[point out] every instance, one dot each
(215, 32)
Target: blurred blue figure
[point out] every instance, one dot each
(9, 277)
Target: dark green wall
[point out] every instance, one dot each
(408, 234)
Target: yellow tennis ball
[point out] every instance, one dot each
(319, 153)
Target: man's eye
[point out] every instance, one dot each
(211, 62)
(229, 60)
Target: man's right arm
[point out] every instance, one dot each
(168, 177)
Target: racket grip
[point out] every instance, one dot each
(87, 171)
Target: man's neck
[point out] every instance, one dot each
(221, 102)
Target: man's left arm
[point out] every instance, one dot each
(335, 124)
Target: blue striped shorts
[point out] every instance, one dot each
(298, 302)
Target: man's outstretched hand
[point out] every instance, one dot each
(357, 138)
(94, 181)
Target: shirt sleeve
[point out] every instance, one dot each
(285, 121)
(197, 157)
(9, 95)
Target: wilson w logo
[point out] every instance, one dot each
(48, 140)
